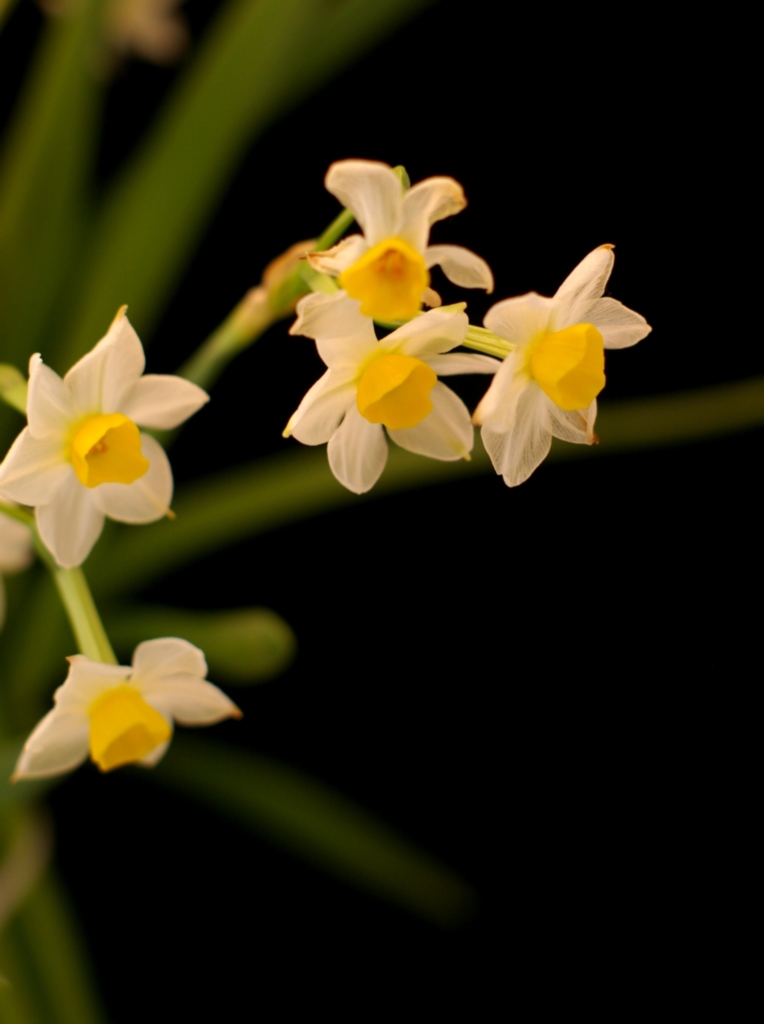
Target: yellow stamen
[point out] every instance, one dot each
(389, 280)
(569, 365)
(106, 449)
(395, 390)
(124, 728)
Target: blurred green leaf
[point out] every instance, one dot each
(6, 6)
(257, 59)
(221, 510)
(16, 794)
(243, 645)
(44, 172)
(319, 825)
(56, 962)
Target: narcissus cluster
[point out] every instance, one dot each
(82, 456)
(545, 386)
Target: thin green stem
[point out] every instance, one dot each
(83, 615)
(241, 328)
(481, 340)
(259, 309)
(75, 595)
(335, 231)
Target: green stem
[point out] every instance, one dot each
(258, 310)
(83, 615)
(481, 340)
(75, 595)
(241, 328)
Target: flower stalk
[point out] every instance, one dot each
(75, 595)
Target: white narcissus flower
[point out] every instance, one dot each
(371, 385)
(15, 552)
(387, 267)
(121, 715)
(547, 387)
(82, 457)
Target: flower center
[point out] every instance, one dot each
(388, 279)
(106, 449)
(124, 728)
(395, 390)
(569, 365)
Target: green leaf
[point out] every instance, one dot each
(56, 962)
(243, 645)
(221, 510)
(44, 169)
(255, 61)
(313, 822)
(18, 793)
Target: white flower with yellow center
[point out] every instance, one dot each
(372, 385)
(548, 385)
(120, 715)
(82, 457)
(387, 267)
(15, 552)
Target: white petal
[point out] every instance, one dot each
(424, 203)
(498, 407)
(50, 409)
(15, 545)
(371, 191)
(162, 401)
(619, 326)
(167, 656)
(71, 523)
(521, 319)
(446, 433)
(517, 452)
(341, 256)
(463, 362)
(438, 330)
(98, 381)
(581, 289)
(33, 471)
(190, 701)
(576, 426)
(87, 680)
(346, 355)
(334, 318)
(58, 744)
(320, 412)
(460, 265)
(357, 452)
(146, 499)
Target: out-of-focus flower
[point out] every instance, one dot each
(548, 386)
(392, 384)
(15, 552)
(387, 267)
(121, 715)
(82, 457)
(151, 29)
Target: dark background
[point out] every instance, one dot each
(556, 737)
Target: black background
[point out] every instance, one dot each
(542, 704)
